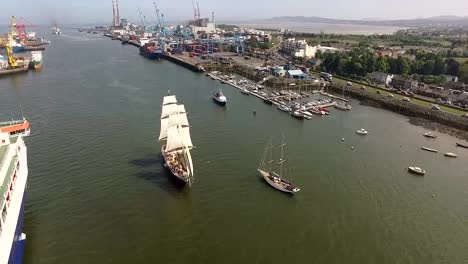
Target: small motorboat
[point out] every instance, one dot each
(284, 108)
(245, 91)
(429, 149)
(362, 131)
(429, 135)
(416, 170)
(219, 98)
(297, 115)
(450, 155)
(267, 101)
(307, 116)
(462, 145)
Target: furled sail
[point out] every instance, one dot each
(178, 120)
(171, 99)
(172, 109)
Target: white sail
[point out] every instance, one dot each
(190, 164)
(178, 138)
(178, 120)
(171, 99)
(172, 109)
(163, 132)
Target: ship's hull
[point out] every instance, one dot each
(276, 185)
(151, 55)
(16, 49)
(12, 238)
(172, 170)
(35, 65)
(219, 101)
(17, 248)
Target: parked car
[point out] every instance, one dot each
(390, 95)
(378, 92)
(349, 84)
(465, 115)
(406, 99)
(363, 88)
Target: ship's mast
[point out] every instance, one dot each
(281, 161)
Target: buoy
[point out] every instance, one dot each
(433, 195)
(352, 147)
(342, 139)
(254, 112)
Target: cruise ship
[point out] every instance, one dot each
(13, 178)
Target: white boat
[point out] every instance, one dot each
(429, 135)
(56, 30)
(245, 91)
(175, 139)
(307, 116)
(284, 108)
(342, 106)
(450, 155)
(275, 180)
(13, 188)
(362, 131)
(429, 149)
(219, 98)
(416, 170)
(297, 114)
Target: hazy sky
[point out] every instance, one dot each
(100, 11)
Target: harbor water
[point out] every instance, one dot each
(98, 193)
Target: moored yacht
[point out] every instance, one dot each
(416, 170)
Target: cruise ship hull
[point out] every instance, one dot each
(17, 248)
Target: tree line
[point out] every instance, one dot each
(357, 63)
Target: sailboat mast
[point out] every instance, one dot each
(270, 146)
(281, 159)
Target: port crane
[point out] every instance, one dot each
(12, 63)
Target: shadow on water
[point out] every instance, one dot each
(161, 177)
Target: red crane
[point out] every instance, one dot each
(20, 29)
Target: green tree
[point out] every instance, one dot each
(463, 74)
(453, 67)
(319, 54)
(381, 65)
(439, 66)
(428, 67)
(403, 66)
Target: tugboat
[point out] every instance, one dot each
(219, 98)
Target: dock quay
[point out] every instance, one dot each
(185, 61)
(4, 72)
(134, 43)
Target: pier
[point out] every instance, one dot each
(191, 63)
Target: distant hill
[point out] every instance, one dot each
(431, 21)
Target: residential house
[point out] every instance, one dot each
(400, 82)
(278, 71)
(381, 78)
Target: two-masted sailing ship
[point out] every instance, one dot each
(265, 169)
(175, 140)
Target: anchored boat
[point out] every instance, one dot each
(416, 170)
(429, 149)
(275, 180)
(175, 139)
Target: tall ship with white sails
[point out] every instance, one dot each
(13, 185)
(175, 139)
